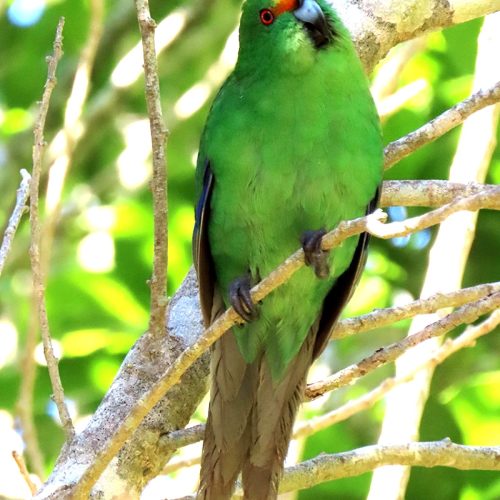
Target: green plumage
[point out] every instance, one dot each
(293, 142)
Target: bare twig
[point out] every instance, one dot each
(397, 150)
(62, 148)
(15, 218)
(38, 280)
(159, 136)
(65, 142)
(384, 317)
(465, 314)
(466, 339)
(447, 263)
(326, 467)
(24, 471)
(353, 463)
(431, 193)
(470, 203)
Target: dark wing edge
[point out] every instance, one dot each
(202, 256)
(343, 289)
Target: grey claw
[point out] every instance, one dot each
(241, 300)
(314, 256)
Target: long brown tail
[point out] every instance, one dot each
(250, 422)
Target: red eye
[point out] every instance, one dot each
(266, 17)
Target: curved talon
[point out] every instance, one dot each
(314, 256)
(241, 300)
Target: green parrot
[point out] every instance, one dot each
(291, 147)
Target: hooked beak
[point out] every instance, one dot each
(309, 13)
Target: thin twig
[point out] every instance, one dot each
(65, 142)
(159, 136)
(463, 315)
(466, 339)
(38, 280)
(397, 150)
(15, 218)
(24, 471)
(471, 203)
(62, 147)
(389, 315)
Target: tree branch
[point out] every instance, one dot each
(24, 471)
(15, 218)
(159, 136)
(230, 318)
(327, 467)
(465, 314)
(36, 240)
(450, 347)
(353, 463)
(471, 203)
(431, 193)
(376, 27)
(447, 263)
(397, 150)
(145, 400)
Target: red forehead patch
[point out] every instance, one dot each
(285, 6)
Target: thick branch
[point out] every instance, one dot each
(378, 26)
(353, 463)
(326, 467)
(36, 238)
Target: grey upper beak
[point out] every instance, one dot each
(313, 18)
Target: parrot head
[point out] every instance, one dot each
(286, 34)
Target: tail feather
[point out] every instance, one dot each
(227, 436)
(250, 421)
(272, 421)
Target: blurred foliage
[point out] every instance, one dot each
(101, 258)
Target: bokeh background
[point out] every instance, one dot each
(101, 246)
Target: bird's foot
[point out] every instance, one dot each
(241, 300)
(314, 256)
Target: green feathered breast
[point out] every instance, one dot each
(294, 144)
